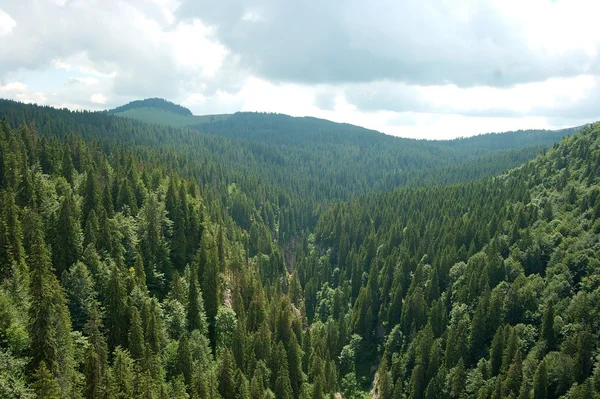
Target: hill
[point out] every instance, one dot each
(153, 103)
(480, 289)
(141, 260)
(289, 168)
(160, 111)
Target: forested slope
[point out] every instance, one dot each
(119, 280)
(147, 261)
(287, 168)
(485, 289)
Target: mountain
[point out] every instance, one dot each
(160, 111)
(291, 168)
(480, 289)
(144, 260)
(153, 103)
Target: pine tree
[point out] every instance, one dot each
(226, 376)
(45, 385)
(583, 356)
(242, 386)
(79, 287)
(116, 316)
(49, 323)
(195, 308)
(209, 281)
(122, 374)
(458, 379)
(540, 382)
(68, 170)
(496, 351)
(548, 327)
(184, 365)
(514, 376)
(155, 331)
(386, 386)
(67, 244)
(12, 254)
(295, 365)
(96, 358)
(90, 230)
(90, 199)
(511, 348)
(136, 335)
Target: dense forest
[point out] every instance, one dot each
(287, 168)
(248, 259)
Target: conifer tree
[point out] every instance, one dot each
(90, 199)
(195, 309)
(122, 374)
(540, 382)
(49, 323)
(242, 386)
(514, 376)
(209, 281)
(68, 170)
(548, 327)
(184, 365)
(116, 310)
(79, 287)
(96, 358)
(67, 244)
(136, 335)
(45, 385)
(226, 375)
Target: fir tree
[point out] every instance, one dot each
(45, 385)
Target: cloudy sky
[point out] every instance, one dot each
(414, 68)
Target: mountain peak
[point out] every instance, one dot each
(158, 103)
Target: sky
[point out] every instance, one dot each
(413, 68)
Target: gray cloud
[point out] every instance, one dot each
(412, 41)
(377, 55)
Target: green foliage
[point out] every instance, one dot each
(225, 327)
(219, 283)
(45, 385)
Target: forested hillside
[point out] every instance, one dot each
(287, 168)
(486, 289)
(148, 261)
(154, 103)
(119, 280)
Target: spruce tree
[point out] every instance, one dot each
(184, 365)
(209, 281)
(195, 308)
(122, 374)
(96, 357)
(116, 310)
(136, 336)
(45, 385)
(226, 377)
(67, 243)
(49, 323)
(548, 327)
(540, 382)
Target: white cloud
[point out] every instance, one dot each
(419, 68)
(7, 24)
(19, 91)
(98, 98)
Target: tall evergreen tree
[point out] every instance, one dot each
(67, 243)
(49, 323)
(96, 357)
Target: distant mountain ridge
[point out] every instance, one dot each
(258, 126)
(158, 103)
